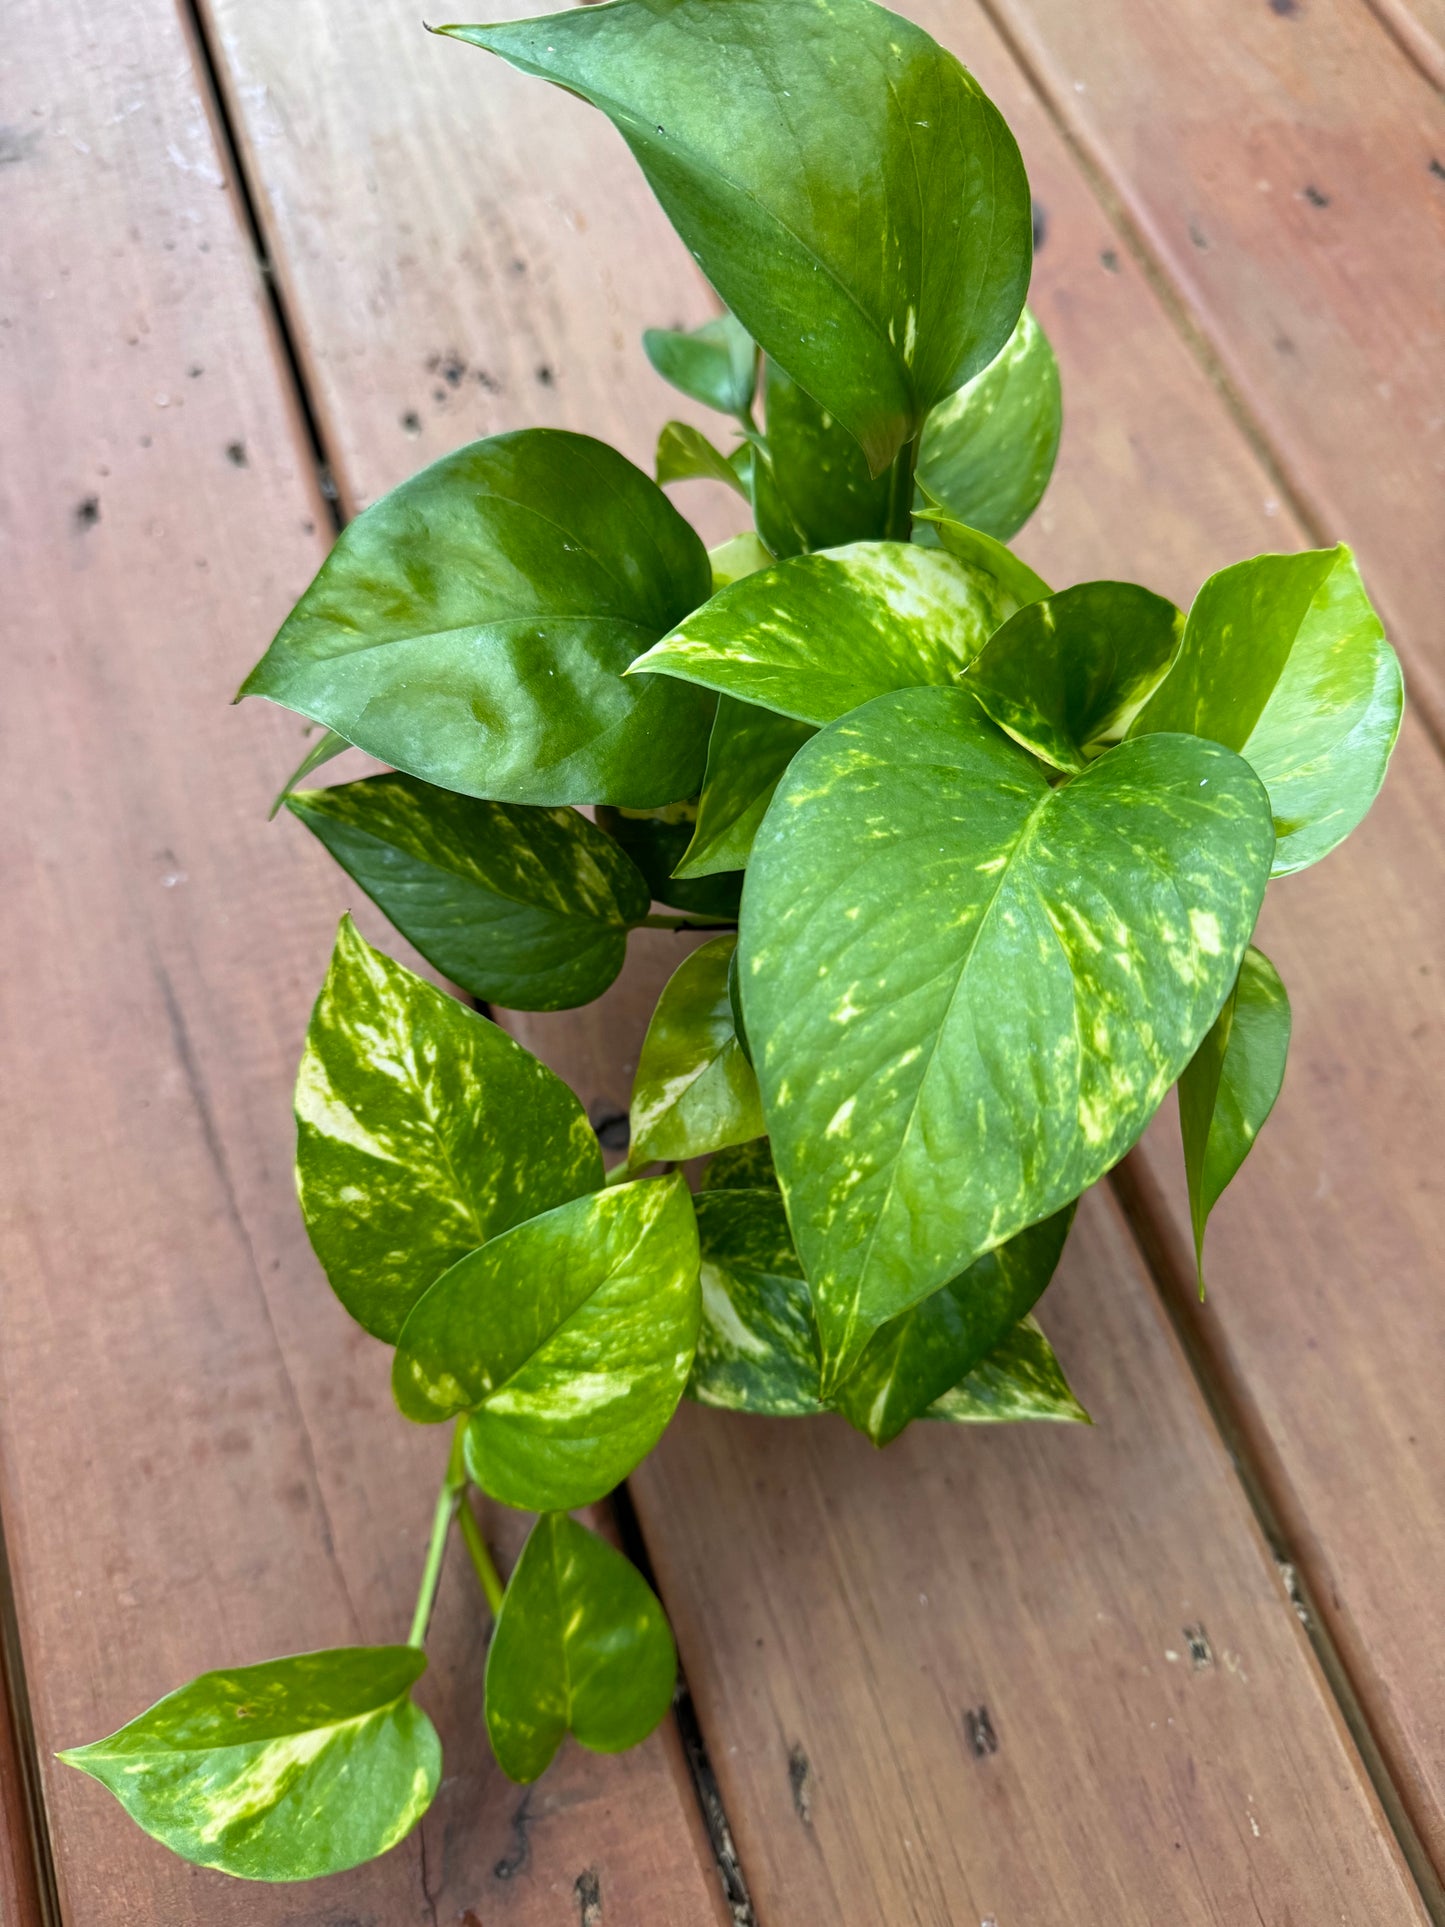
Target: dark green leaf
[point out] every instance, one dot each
(422, 1130)
(988, 450)
(741, 1167)
(746, 754)
(932, 528)
(284, 1771)
(1229, 1087)
(694, 1091)
(817, 635)
(1284, 660)
(472, 626)
(528, 908)
(967, 992)
(855, 200)
(581, 1646)
(715, 364)
(657, 841)
(684, 454)
(1020, 1379)
(757, 1350)
(1065, 675)
(814, 490)
(569, 1339)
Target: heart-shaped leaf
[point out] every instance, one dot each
(1020, 1379)
(684, 454)
(934, 528)
(746, 755)
(856, 201)
(818, 635)
(1067, 673)
(967, 992)
(656, 841)
(422, 1130)
(581, 1646)
(1284, 660)
(284, 1771)
(472, 626)
(1229, 1087)
(569, 1339)
(988, 450)
(715, 364)
(694, 1091)
(527, 908)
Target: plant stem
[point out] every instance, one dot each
(688, 923)
(482, 1560)
(900, 492)
(449, 1500)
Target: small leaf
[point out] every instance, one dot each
(1020, 1379)
(523, 907)
(757, 1350)
(740, 1167)
(715, 364)
(934, 1082)
(422, 1130)
(1284, 660)
(853, 197)
(743, 555)
(285, 1771)
(581, 1646)
(735, 1006)
(988, 449)
(684, 454)
(1229, 1087)
(1066, 674)
(933, 528)
(817, 635)
(656, 841)
(327, 745)
(569, 1339)
(472, 626)
(814, 490)
(746, 755)
(694, 1091)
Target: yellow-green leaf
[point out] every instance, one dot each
(695, 1090)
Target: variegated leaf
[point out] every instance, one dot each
(757, 1350)
(987, 450)
(746, 754)
(695, 1090)
(934, 528)
(1020, 1379)
(741, 1167)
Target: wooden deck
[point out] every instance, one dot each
(1207, 1633)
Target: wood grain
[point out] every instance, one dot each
(1419, 26)
(199, 1462)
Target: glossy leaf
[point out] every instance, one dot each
(746, 755)
(684, 454)
(856, 201)
(817, 635)
(735, 1005)
(657, 841)
(1229, 1087)
(732, 560)
(694, 1091)
(740, 1167)
(1066, 674)
(715, 364)
(757, 1349)
(933, 528)
(988, 450)
(581, 1646)
(569, 1339)
(967, 992)
(1284, 660)
(472, 626)
(814, 490)
(284, 1771)
(422, 1130)
(524, 907)
(1020, 1379)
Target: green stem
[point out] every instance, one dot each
(688, 923)
(482, 1560)
(900, 493)
(449, 1500)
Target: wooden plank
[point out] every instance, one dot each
(199, 1463)
(1287, 172)
(1420, 30)
(1152, 478)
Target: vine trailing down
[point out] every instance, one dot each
(984, 861)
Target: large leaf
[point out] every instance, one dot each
(1066, 673)
(581, 1646)
(656, 841)
(1230, 1085)
(684, 454)
(746, 755)
(1020, 1379)
(524, 907)
(1284, 660)
(472, 626)
(967, 992)
(694, 1090)
(854, 198)
(569, 1339)
(988, 450)
(814, 490)
(715, 364)
(284, 1771)
(819, 634)
(422, 1130)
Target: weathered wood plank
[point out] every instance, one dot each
(200, 1460)
(1419, 26)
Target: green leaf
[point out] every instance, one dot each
(472, 626)
(853, 197)
(1066, 674)
(1229, 1087)
(327, 745)
(422, 1130)
(528, 908)
(757, 1350)
(656, 841)
(817, 635)
(740, 1167)
(694, 1091)
(746, 755)
(743, 555)
(814, 490)
(581, 1646)
(1020, 1379)
(917, 1357)
(932, 528)
(716, 364)
(284, 1771)
(735, 1007)
(967, 992)
(569, 1339)
(988, 450)
(684, 454)
(1284, 660)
